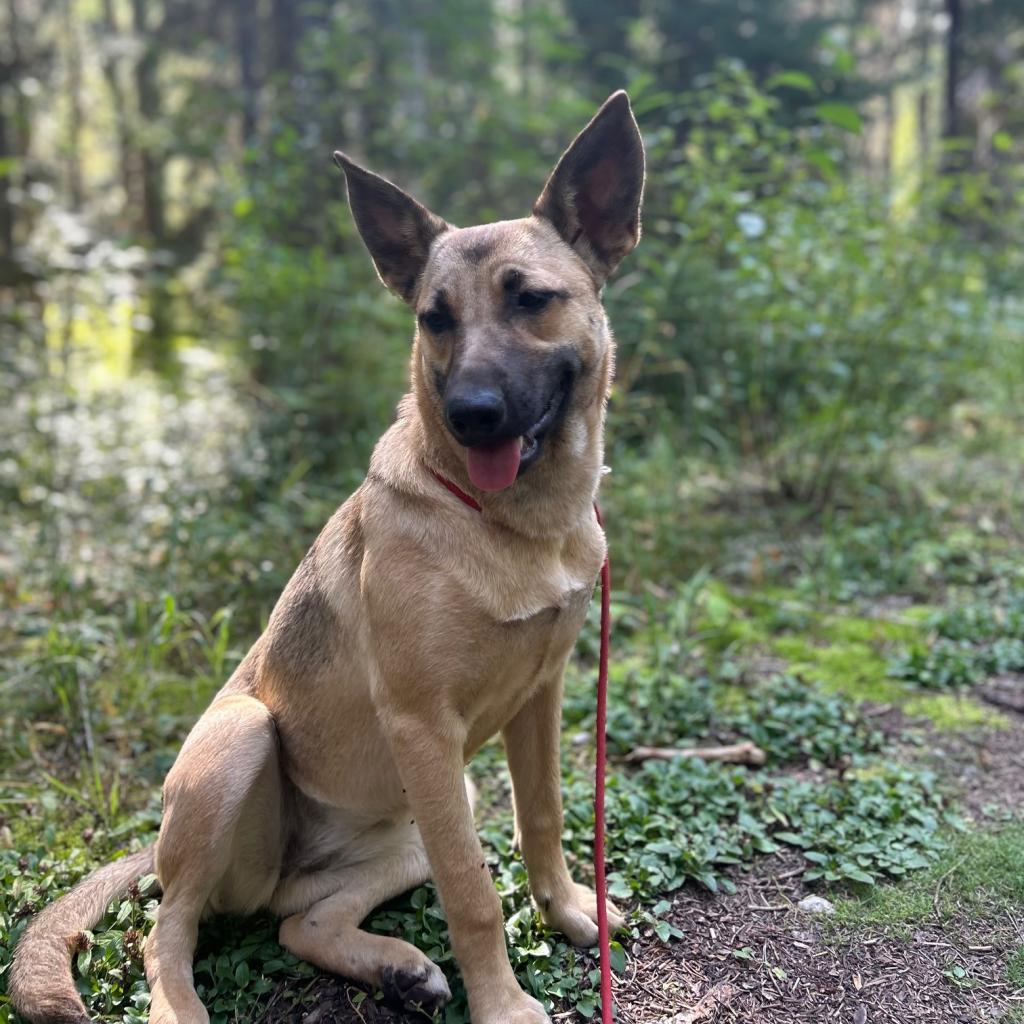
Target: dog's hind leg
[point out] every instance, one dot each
(328, 933)
(219, 844)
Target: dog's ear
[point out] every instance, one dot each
(593, 196)
(397, 230)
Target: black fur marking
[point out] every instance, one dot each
(477, 252)
(303, 643)
(439, 317)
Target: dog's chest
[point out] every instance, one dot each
(514, 582)
(510, 660)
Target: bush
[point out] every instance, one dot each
(780, 311)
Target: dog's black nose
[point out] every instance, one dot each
(475, 416)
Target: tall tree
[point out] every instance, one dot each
(246, 21)
(108, 46)
(954, 43)
(73, 77)
(151, 163)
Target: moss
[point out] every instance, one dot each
(918, 613)
(850, 655)
(949, 711)
(855, 669)
(1015, 968)
(873, 632)
(981, 875)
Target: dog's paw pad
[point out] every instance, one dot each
(420, 988)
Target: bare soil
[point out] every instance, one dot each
(752, 957)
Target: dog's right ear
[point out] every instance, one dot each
(397, 230)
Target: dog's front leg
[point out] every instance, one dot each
(428, 750)
(532, 746)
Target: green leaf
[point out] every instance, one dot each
(856, 874)
(617, 957)
(792, 80)
(790, 837)
(842, 115)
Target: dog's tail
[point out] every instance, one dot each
(40, 983)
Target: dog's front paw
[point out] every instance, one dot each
(576, 917)
(423, 987)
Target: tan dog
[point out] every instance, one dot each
(327, 775)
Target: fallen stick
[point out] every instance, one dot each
(735, 753)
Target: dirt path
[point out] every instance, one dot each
(752, 957)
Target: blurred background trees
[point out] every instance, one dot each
(832, 234)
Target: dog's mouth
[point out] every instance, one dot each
(496, 465)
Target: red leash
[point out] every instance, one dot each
(600, 882)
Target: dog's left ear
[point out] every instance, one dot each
(397, 230)
(593, 196)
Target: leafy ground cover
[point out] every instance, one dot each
(875, 664)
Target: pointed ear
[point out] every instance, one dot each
(593, 196)
(397, 230)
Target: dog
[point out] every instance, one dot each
(327, 775)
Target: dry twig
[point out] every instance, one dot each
(734, 753)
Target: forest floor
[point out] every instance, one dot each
(943, 946)
(876, 655)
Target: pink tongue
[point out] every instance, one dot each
(493, 467)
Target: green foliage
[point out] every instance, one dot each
(944, 665)
(997, 616)
(778, 310)
(108, 962)
(1015, 968)
(972, 641)
(879, 820)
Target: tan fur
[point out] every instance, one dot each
(327, 775)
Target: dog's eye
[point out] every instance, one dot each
(437, 321)
(533, 300)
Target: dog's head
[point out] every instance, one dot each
(511, 337)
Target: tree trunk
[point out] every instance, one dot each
(122, 128)
(954, 37)
(6, 209)
(286, 32)
(74, 126)
(245, 42)
(151, 169)
(526, 43)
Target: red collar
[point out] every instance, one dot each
(457, 491)
(469, 500)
